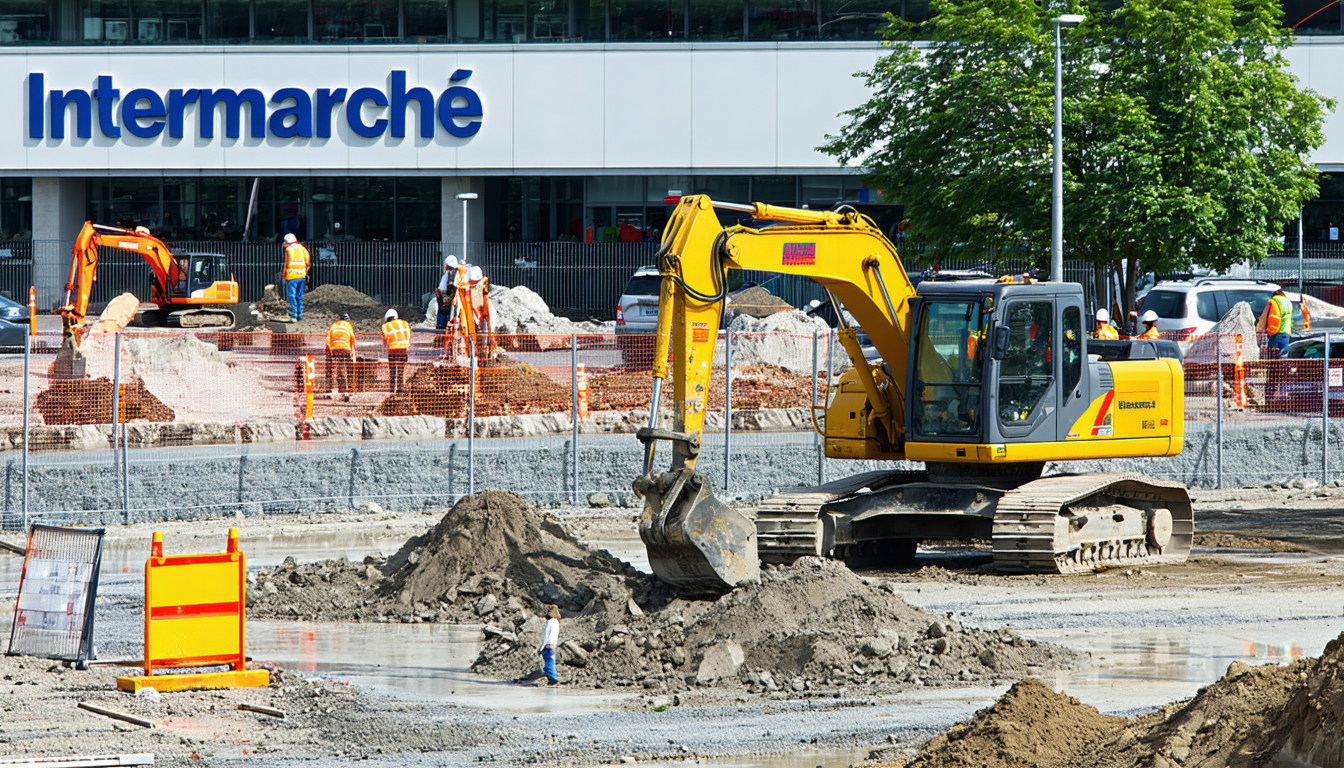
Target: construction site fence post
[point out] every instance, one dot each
(830, 347)
(727, 411)
(27, 356)
(574, 418)
(1325, 411)
(125, 474)
(816, 436)
(1218, 422)
(471, 418)
(116, 395)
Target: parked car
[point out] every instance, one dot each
(1294, 383)
(1189, 308)
(637, 317)
(13, 323)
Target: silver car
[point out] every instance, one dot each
(637, 318)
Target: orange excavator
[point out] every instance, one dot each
(188, 289)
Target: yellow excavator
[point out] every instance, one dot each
(983, 381)
(189, 289)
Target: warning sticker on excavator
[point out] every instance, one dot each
(699, 333)
(800, 254)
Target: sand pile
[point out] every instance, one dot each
(783, 339)
(813, 624)
(1253, 716)
(520, 311)
(89, 401)
(756, 301)
(324, 305)
(184, 354)
(491, 558)
(193, 377)
(1222, 338)
(504, 388)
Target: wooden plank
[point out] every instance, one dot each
(272, 711)
(115, 715)
(94, 761)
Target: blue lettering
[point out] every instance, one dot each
(105, 94)
(401, 97)
(37, 111)
(450, 111)
(301, 111)
(83, 113)
(132, 113)
(178, 100)
(355, 108)
(233, 108)
(327, 100)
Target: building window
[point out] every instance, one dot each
(167, 21)
(1311, 17)
(718, 19)
(861, 19)
(427, 21)
(651, 20)
(228, 21)
(355, 20)
(782, 20)
(16, 209)
(281, 20)
(23, 21)
(108, 21)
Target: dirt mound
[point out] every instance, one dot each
(89, 401)
(813, 624)
(1238, 541)
(1030, 725)
(504, 388)
(755, 387)
(756, 302)
(491, 558)
(1311, 725)
(324, 305)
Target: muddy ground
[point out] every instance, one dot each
(1139, 631)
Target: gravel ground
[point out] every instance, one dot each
(1142, 627)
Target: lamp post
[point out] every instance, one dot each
(1057, 223)
(464, 197)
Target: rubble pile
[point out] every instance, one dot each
(89, 401)
(324, 305)
(503, 388)
(756, 301)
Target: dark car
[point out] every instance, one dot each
(1294, 383)
(13, 323)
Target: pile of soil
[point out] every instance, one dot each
(89, 401)
(1240, 541)
(324, 305)
(756, 387)
(810, 625)
(504, 388)
(756, 301)
(491, 557)
(1253, 716)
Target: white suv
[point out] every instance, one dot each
(1189, 308)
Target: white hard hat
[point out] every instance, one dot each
(1149, 317)
(450, 262)
(1103, 316)
(142, 230)
(290, 238)
(391, 315)
(476, 274)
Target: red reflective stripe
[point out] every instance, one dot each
(1101, 414)
(223, 557)
(195, 611)
(197, 661)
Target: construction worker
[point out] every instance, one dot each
(446, 292)
(474, 300)
(1104, 328)
(1277, 318)
(397, 339)
(341, 356)
(1149, 321)
(297, 262)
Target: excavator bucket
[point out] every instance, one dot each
(69, 363)
(697, 544)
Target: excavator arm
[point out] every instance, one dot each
(84, 267)
(695, 542)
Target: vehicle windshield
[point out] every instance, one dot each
(644, 285)
(949, 366)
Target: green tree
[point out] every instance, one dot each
(1185, 138)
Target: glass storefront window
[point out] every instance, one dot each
(228, 21)
(717, 19)
(615, 189)
(775, 190)
(427, 21)
(733, 189)
(861, 19)
(281, 20)
(782, 20)
(355, 20)
(107, 20)
(167, 21)
(16, 209)
(1325, 21)
(648, 20)
(821, 192)
(24, 21)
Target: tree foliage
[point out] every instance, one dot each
(1186, 139)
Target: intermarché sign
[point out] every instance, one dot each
(294, 112)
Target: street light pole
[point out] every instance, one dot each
(464, 197)
(1057, 207)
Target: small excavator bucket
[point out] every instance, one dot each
(698, 545)
(69, 363)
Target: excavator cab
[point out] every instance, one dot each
(202, 275)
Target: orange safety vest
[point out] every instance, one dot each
(341, 335)
(1280, 316)
(397, 334)
(296, 261)
(1107, 331)
(1151, 333)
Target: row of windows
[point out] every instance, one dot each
(117, 22)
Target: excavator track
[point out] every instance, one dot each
(790, 524)
(1077, 523)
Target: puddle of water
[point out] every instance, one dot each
(416, 661)
(1140, 668)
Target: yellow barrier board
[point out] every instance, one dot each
(196, 616)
